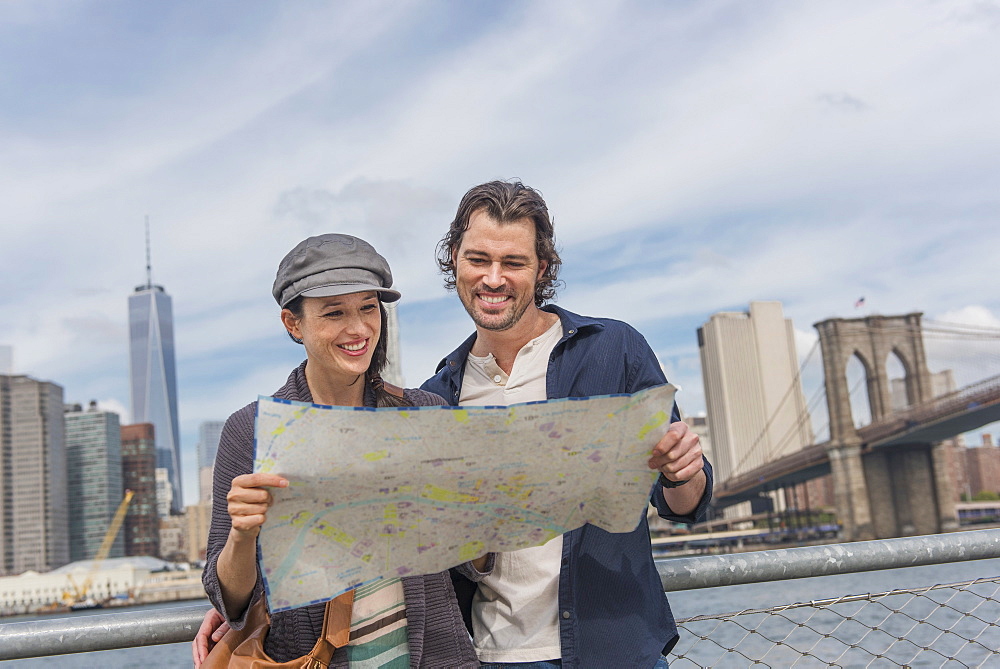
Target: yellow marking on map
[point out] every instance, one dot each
(301, 518)
(460, 416)
(278, 430)
(331, 532)
(266, 465)
(517, 489)
(656, 421)
(438, 494)
(471, 550)
(511, 416)
(376, 455)
(389, 526)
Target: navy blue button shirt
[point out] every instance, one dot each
(612, 609)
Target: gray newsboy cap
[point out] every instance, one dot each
(332, 264)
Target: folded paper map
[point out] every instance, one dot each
(377, 493)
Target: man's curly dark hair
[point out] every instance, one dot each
(505, 202)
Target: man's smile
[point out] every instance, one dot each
(494, 299)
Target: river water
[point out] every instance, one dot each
(684, 604)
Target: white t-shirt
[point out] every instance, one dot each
(515, 610)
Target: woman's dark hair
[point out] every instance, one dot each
(505, 202)
(380, 356)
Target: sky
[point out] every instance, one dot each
(695, 156)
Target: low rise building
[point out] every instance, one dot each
(117, 581)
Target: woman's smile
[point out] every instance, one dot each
(359, 347)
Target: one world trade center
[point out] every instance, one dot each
(153, 375)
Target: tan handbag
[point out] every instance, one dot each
(244, 649)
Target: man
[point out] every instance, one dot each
(589, 598)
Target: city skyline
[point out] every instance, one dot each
(691, 166)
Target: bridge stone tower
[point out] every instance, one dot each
(882, 493)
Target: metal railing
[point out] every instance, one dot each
(953, 623)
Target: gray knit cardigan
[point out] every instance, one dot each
(437, 635)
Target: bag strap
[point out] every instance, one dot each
(336, 625)
(393, 390)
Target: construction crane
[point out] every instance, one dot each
(80, 596)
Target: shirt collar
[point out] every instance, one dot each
(572, 324)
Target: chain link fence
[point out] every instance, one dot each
(943, 625)
(957, 624)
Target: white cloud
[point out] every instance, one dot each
(114, 406)
(805, 340)
(973, 314)
(966, 341)
(695, 157)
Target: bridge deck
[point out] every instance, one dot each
(929, 422)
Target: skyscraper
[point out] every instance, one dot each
(209, 434)
(393, 372)
(164, 493)
(34, 521)
(153, 375)
(756, 410)
(94, 466)
(142, 524)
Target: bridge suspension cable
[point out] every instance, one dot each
(805, 416)
(961, 328)
(788, 394)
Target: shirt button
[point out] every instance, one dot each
(565, 614)
(496, 379)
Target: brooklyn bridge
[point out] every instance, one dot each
(890, 476)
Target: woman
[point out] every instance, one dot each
(330, 289)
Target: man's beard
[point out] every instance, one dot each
(493, 325)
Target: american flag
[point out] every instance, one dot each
(860, 302)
